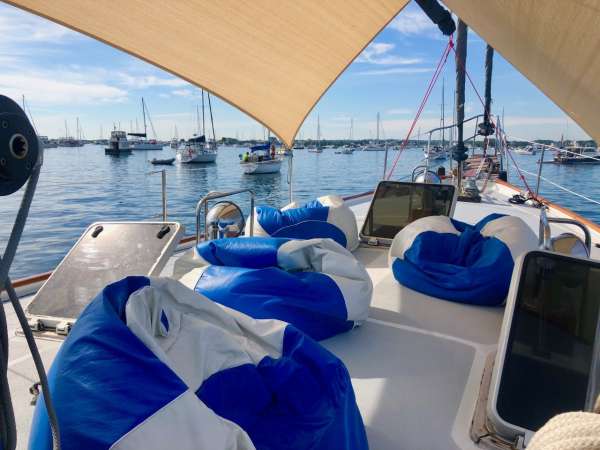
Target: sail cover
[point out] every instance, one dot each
(274, 59)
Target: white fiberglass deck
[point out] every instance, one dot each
(416, 364)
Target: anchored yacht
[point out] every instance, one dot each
(118, 144)
(412, 316)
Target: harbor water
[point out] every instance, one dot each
(80, 186)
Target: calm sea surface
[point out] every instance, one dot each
(79, 186)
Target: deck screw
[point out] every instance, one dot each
(5, 124)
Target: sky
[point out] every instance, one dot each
(66, 76)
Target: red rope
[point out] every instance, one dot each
(432, 82)
(506, 150)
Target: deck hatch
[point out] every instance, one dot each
(395, 204)
(548, 350)
(105, 253)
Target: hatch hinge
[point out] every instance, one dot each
(63, 328)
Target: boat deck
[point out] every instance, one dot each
(416, 364)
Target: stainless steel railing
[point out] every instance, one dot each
(203, 205)
(545, 234)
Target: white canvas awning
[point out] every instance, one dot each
(274, 59)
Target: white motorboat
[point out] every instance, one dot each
(345, 150)
(151, 364)
(47, 143)
(435, 152)
(374, 147)
(527, 150)
(197, 151)
(118, 144)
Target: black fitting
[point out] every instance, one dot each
(438, 15)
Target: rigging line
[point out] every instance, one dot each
(563, 188)
(432, 82)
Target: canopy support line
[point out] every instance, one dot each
(436, 74)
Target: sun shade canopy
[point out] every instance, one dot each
(274, 59)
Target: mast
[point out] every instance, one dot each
(144, 116)
(203, 123)
(460, 152)
(78, 132)
(378, 128)
(197, 120)
(212, 123)
(351, 128)
(66, 130)
(318, 132)
(487, 128)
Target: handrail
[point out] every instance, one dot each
(213, 195)
(545, 234)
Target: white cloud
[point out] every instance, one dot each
(395, 71)
(146, 81)
(58, 88)
(413, 23)
(17, 26)
(182, 92)
(398, 111)
(379, 53)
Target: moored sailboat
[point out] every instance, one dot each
(142, 142)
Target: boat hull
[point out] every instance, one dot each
(197, 158)
(261, 167)
(117, 152)
(146, 146)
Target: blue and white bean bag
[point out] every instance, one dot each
(452, 260)
(153, 365)
(326, 217)
(316, 285)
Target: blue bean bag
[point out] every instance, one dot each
(316, 285)
(152, 365)
(326, 217)
(452, 260)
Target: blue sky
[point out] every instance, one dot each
(65, 75)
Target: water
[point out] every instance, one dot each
(79, 186)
